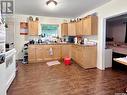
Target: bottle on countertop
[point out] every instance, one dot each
(75, 40)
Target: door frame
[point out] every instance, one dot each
(104, 36)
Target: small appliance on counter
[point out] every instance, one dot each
(9, 46)
(75, 40)
(71, 39)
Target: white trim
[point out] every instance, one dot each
(10, 80)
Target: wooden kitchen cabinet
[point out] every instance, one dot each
(77, 53)
(89, 57)
(90, 25)
(72, 29)
(33, 28)
(73, 52)
(56, 52)
(85, 56)
(79, 27)
(32, 54)
(40, 51)
(66, 51)
(64, 29)
(47, 55)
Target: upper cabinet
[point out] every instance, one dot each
(72, 29)
(90, 25)
(79, 27)
(33, 28)
(86, 26)
(64, 29)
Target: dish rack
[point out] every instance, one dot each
(25, 54)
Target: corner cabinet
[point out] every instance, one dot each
(66, 51)
(90, 25)
(33, 28)
(72, 29)
(64, 29)
(85, 56)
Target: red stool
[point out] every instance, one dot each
(67, 60)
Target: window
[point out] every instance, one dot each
(49, 30)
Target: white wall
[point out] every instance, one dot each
(111, 9)
(21, 39)
(10, 29)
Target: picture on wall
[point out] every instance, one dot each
(23, 28)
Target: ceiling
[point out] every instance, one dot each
(64, 9)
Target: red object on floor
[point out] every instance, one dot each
(67, 60)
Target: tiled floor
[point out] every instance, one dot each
(39, 79)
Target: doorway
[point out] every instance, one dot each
(115, 41)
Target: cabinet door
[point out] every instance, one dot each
(66, 51)
(31, 53)
(94, 25)
(73, 52)
(64, 29)
(71, 29)
(87, 26)
(56, 51)
(33, 28)
(79, 28)
(90, 57)
(40, 50)
(79, 54)
(90, 25)
(47, 55)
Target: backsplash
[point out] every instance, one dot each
(91, 38)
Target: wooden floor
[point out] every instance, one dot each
(39, 79)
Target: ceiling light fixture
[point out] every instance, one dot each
(51, 3)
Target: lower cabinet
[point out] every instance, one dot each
(89, 57)
(52, 52)
(32, 53)
(85, 56)
(40, 53)
(66, 51)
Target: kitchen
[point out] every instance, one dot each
(80, 37)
